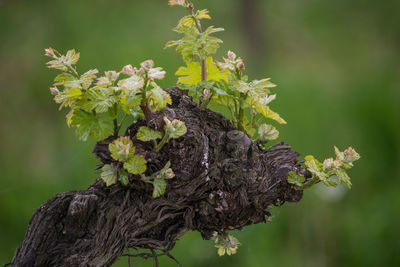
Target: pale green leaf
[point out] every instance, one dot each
(123, 177)
(121, 149)
(315, 167)
(268, 113)
(174, 129)
(130, 102)
(158, 98)
(87, 78)
(109, 174)
(57, 64)
(203, 14)
(136, 165)
(226, 243)
(131, 85)
(146, 134)
(64, 77)
(177, 2)
(71, 58)
(343, 177)
(268, 132)
(68, 98)
(296, 179)
(187, 21)
(159, 186)
(99, 99)
(165, 173)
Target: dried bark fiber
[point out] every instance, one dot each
(223, 181)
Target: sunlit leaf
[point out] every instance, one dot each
(191, 74)
(187, 21)
(68, 98)
(268, 113)
(203, 14)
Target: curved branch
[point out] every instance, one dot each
(223, 181)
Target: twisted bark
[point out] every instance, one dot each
(223, 181)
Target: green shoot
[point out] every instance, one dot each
(196, 44)
(97, 109)
(158, 180)
(226, 243)
(330, 172)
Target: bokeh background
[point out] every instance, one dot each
(337, 67)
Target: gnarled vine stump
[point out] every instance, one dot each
(223, 181)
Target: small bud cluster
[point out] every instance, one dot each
(232, 62)
(183, 3)
(146, 69)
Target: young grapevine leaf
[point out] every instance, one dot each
(267, 112)
(158, 98)
(267, 132)
(96, 126)
(296, 179)
(165, 173)
(98, 99)
(159, 186)
(146, 134)
(203, 14)
(87, 78)
(226, 243)
(68, 98)
(131, 85)
(123, 177)
(109, 174)
(135, 164)
(174, 129)
(122, 149)
(191, 74)
(328, 170)
(177, 2)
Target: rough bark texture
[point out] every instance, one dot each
(223, 181)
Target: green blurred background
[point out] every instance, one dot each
(337, 67)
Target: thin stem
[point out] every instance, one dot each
(73, 70)
(206, 96)
(162, 142)
(241, 116)
(203, 70)
(236, 114)
(147, 111)
(116, 129)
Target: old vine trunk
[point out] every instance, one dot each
(223, 181)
